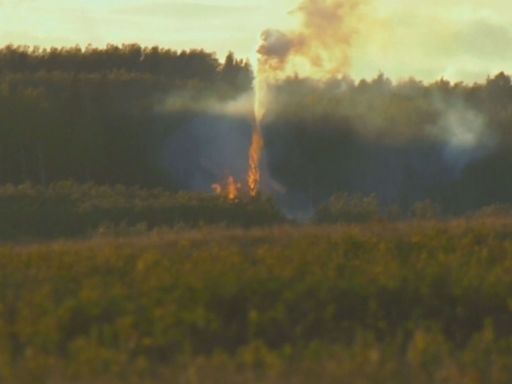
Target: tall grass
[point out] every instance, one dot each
(422, 302)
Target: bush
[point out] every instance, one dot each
(69, 209)
(493, 211)
(425, 210)
(344, 208)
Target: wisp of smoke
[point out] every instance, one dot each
(464, 132)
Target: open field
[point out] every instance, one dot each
(413, 302)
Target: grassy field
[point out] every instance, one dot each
(416, 302)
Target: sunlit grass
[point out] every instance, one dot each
(421, 301)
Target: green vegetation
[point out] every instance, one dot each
(103, 283)
(103, 115)
(68, 209)
(157, 117)
(420, 302)
(343, 208)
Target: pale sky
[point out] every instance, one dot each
(427, 39)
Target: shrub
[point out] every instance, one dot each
(344, 208)
(69, 209)
(425, 210)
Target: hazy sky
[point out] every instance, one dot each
(458, 39)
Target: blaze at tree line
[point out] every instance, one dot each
(102, 116)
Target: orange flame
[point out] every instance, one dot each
(256, 150)
(233, 188)
(319, 48)
(230, 189)
(254, 176)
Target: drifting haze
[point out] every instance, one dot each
(459, 39)
(183, 121)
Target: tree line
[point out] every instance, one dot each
(156, 117)
(90, 115)
(406, 142)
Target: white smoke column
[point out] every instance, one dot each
(319, 49)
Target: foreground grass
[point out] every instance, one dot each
(380, 303)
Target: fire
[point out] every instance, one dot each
(230, 189)
(319, 49)
(254, 176)
(233, 188)
(256, 150)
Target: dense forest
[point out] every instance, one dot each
(155, 117)
(92, 115)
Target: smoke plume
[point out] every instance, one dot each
(319, 49)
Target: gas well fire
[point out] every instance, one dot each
(318, 49)
(230, 189)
